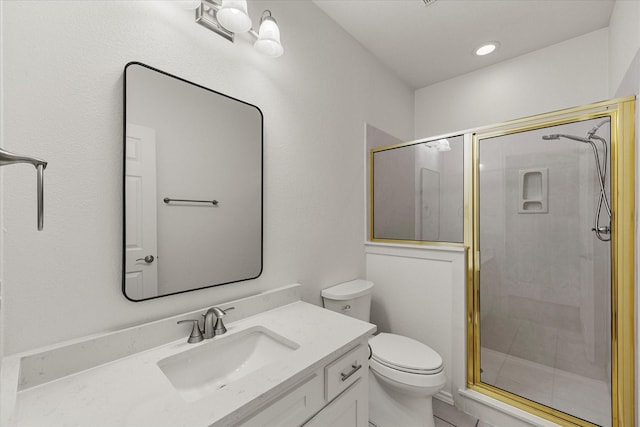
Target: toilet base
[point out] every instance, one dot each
(390, 407)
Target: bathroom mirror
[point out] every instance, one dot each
(192, 186)
(417, 191)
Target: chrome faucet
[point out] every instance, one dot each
(212, 329)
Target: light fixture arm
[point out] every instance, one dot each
(206, 15)
(253, 33)
(266, 14)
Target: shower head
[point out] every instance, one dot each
(562, 135)
(594, 129)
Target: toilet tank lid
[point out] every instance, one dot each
(348, 290)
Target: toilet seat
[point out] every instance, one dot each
(418, 384)
(404, 354)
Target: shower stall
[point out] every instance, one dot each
(545, 256)
(544, 208)
(551, 276)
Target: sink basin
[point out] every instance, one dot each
(211, 365)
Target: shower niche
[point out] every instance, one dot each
(533, 185)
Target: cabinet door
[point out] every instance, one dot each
(349, 409)
(291, 409)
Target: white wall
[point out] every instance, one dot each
(62, 101)
(560, 76)
(624, 41)
(417, 294)
(374, 138)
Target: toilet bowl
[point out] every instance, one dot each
(404, 373)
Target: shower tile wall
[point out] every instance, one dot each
(540, 263)
(538, 297)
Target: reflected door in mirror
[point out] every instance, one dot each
(141, 268)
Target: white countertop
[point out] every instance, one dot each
(133, 391)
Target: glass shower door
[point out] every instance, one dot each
(545, 266)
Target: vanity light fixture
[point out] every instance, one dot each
(269, 36)
(487, 48)
(230, 17)
(233, 16)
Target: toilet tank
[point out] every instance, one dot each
(351, 298)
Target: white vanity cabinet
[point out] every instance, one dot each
(335, 395)
(350, 409)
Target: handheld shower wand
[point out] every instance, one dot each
(602, 174)
(8, 158)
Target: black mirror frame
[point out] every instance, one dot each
(124, 139)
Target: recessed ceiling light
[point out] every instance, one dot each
(487, 48)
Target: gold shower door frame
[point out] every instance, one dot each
(621, 112)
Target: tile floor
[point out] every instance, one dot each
(446, 415)
(560, 348)
(449, 416)
(577, 395)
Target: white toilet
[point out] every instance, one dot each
(404, 374)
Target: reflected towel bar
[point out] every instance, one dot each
(168, 200)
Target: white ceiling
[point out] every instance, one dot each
(427, 44)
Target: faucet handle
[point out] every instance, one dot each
(196, 333)
(219, 313)
(219, 327)
(227, 309)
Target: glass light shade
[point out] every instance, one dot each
(233, 16)
(269, 38)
